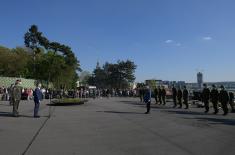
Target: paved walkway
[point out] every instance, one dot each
(115, 126)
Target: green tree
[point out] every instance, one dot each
(118, 75)
(58, 60)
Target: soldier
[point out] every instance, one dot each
(206, 97)
(174, 95)
(224, 98)
(141, 94)
(156, 95)
(16, 97)
(185, 97)
(163, 95)
(231, 101)
(11, 94)
(214, 97)
(159, 95)
(147, 99)
(179, 97)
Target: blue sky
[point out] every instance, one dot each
(167, 39)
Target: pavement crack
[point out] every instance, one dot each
(38, 131)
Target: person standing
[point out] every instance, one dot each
(37, 98)
(156, 95)
(163, 95)
(214, 97)
(159, 95)
(16, 97)
(231, 101)
(224, 98)
(179, 97)
(147, 99)
(174, 95)
(141, 94)
(11, 94)
(206, 97)
(185, 97)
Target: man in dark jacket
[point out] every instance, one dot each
(141, 94)
(185, 97)
(214, 97)
(174, 95)
(37, 98)
(147, 99)
(231, 101)
(156, 95)
(159, 95)
(206, 97)
(224, 98)
(179, 97)
(163, 95)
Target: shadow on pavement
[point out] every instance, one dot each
(215, 120)
(120, 112)
(5, 104)
(30, 116)
(157, 106)
(183, 112)
(64, 104)
(9, 114)
(5, 114)
(132, 102)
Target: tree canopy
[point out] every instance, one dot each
(41, 60)
(114, 75)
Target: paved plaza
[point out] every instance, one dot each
(115, 126)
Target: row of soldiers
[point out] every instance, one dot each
(178, 95)
(181, 97)
(160, 96)
(214, 96)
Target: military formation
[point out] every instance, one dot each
(218, 97)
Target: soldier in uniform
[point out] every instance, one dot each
(185, 97)
(214, 97)
(224, 98)
(11, 94)
(163, 95)
(159, 95)
(179, 97)
(16, 97)
(206, 97)
(147, 99)
(174, 95)
(156, 95)
(141, 94)
(231, 101)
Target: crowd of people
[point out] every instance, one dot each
(98, 93)
(218, 97)
(5, 95)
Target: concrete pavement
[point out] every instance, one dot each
(115, 126)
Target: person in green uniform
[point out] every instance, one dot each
(224, 99)
(16, 97)
(163, 95)
(214, 97)
(185, 97)
(179, 97)
(156, 95)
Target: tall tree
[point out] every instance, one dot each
(118, 75)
